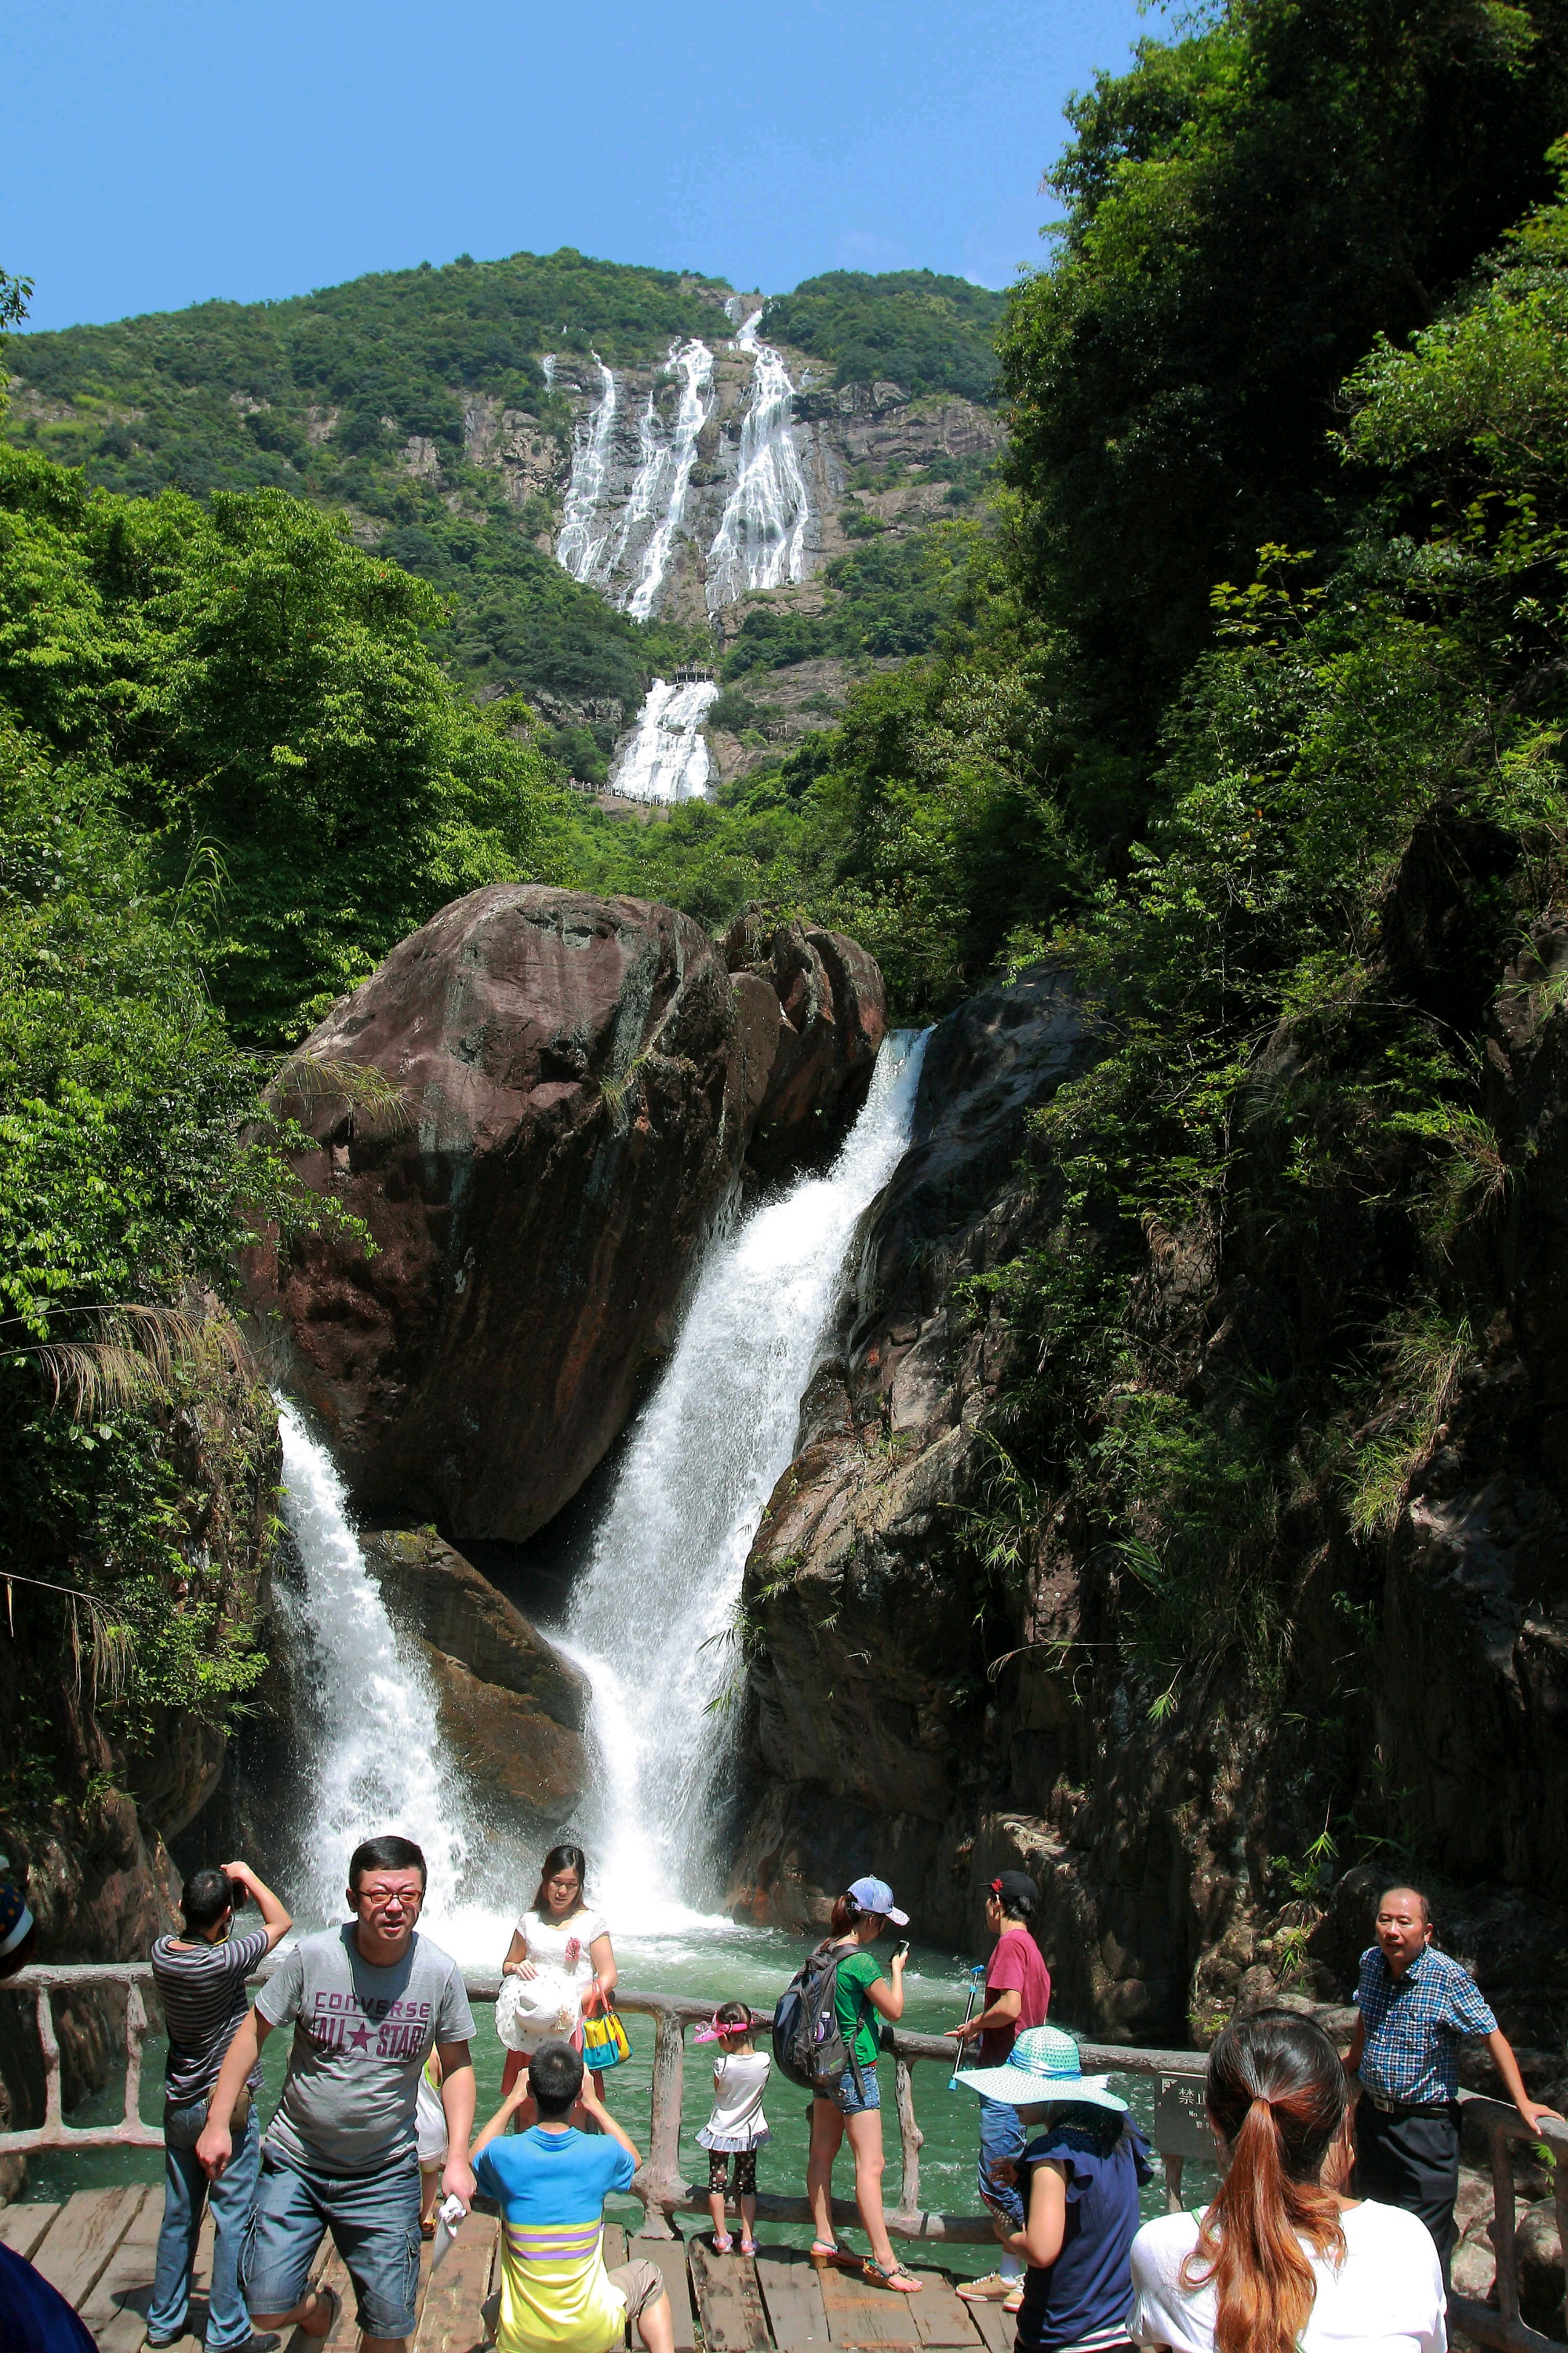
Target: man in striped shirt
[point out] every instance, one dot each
(200, 1978)
(551, 2184)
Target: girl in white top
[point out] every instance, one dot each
(1284, 2261)
(738, 2127)
(561, 1934)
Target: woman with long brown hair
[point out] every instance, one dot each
(1285, 2261)
(853, 2107)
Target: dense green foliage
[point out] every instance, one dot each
(927, 332)
(1246, 209)
(262, 689)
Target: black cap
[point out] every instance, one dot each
(1012, 1885)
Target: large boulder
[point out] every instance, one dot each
(574, 1081)
(810, 1068)
(512, 1706)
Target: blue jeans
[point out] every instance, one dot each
(186, 2192)
(373, 2218)
(1001, 2136)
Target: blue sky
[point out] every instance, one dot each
(164, 150)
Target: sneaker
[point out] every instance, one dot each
(257, 2343)
(1015, 2303)
(992, 2289)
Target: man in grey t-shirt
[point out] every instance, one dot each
(366, 2001)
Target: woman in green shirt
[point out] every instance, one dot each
(860, 1915)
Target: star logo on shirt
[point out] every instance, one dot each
(360, 2038)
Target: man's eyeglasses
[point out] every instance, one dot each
(381, 1899)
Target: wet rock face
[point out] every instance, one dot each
(512, 1706)
(868, 1726)
(575, 1085)
(832, 1011)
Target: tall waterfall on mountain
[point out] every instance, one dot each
(652, 1621)
(761, 541)
(585, 524)
(666, 756)
(380, 1763)
(671, 475)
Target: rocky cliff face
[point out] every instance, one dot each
(512, 1706)
(579, 1079)
(930, 1705)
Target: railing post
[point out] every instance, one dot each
(49, 2042)
(664, 2121)
(1503, 2223)
(912, 2139)
(136, 2031)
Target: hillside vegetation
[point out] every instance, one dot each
(924, 332)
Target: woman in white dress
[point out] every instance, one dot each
(562, 1934)
(1285, 2260)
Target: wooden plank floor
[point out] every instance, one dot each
(98, 2249)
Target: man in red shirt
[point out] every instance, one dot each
(1017, 1995)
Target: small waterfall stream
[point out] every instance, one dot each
(585, 524)
(666, 756)
(650, 1617)
(380, 1763)
(671, 474)
(761, 540)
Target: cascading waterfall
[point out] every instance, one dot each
(672, 474)
(666, 756)
(649, 1619)
(380, 1764)
(584, 528)
(761, 541)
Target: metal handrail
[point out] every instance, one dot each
(663, 2192)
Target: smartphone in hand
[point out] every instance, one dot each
(901, 1949)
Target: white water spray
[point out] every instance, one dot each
(585, 526)
(761, 541)
(380, 1762)
(673, 476)
(649, 1621)
(666, 758)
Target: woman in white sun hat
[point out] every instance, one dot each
(1079, 2180)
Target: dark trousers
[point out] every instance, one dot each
(1412, 2159)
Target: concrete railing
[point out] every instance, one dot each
(1180, 2130)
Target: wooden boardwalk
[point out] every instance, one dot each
(98, 2249)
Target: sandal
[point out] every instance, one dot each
(826, 2257)
(722, 2242)
(899, 2280)
(747, 2246)
(428, 2229)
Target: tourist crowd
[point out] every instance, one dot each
(1333, 2225)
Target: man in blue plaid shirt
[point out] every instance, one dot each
(1415, 2007)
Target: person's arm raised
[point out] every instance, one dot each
(498, 2122)
(602, 2117)
(274, 1918)
(889, 1998)
(216, 2146)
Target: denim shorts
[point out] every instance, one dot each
(373, 2218)
(847, 2100)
